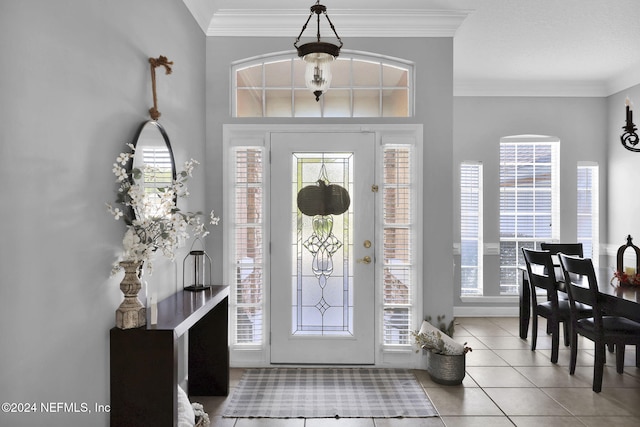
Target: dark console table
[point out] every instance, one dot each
(144, 361)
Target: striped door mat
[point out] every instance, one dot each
(328, 393)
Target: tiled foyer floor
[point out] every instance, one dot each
(506, 384)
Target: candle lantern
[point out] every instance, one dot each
(196, 270)
(630, 138)
(631, 274)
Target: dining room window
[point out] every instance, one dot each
(588, 209)
(529, 201)
(471, 242)
(363, 85)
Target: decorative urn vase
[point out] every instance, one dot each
(446, 369)
(131, 313)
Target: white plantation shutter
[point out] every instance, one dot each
(398, 230)
(588, 212)
(471, 242)
(248, 245)
(529, 201)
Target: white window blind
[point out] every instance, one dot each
(248, 245)
(398, 231)
(588, 209)
(471, 242)
(529, 201)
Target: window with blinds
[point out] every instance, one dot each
(471, 229)
(529, 201)
(588, 211)
(248, 245)
(398, 240)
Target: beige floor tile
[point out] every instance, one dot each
(502, 342)
(484, 358)
(498, 376)
(628, 398)
(486, 330)
(547, 421)
(525, 401)
(425, 380)
(610, 378)
(462, 401)
(564, 357)
(552, 376)
(340, 422)
(584, 402)
(610, 421)
(477, 421)
(408, 422)
(524, 357)
(471, 341)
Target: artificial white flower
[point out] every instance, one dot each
(154, 222)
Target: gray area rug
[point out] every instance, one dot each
(328, 393)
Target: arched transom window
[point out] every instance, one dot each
(362, 86)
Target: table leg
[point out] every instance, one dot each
(525, 308)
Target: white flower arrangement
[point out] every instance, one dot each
(154, 222)
(431, 338)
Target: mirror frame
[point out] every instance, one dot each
(165, 137)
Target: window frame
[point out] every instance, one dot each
(479, 237)
(292, 56)
(530, 242)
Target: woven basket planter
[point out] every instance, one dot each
(446, 369)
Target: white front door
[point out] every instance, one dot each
(322, 260)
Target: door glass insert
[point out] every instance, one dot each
(322, 273)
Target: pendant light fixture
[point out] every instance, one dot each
(318, 54)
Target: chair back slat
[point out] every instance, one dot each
(565, 248)
(541, 274)
(582, 285)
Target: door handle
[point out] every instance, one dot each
(365, 260)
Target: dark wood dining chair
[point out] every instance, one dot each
(565, 248)
(542, 276)
(602, 329)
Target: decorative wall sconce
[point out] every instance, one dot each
(318, 54)
(196, 270)
(629, 138)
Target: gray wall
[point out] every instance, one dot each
(624, 174)
(434, 109)
(74, 87)
(579, 123)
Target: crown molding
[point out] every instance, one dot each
(529, 88)
(348, 23)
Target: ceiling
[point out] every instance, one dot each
(501, 47)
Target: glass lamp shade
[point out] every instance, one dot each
(318, 72)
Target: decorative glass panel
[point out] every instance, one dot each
(322, 276)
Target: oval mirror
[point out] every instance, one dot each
(153, 165)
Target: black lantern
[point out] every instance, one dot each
(196, 270)
(318, 54)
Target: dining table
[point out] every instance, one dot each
(617, 299)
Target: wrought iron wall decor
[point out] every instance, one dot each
(629, 138)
